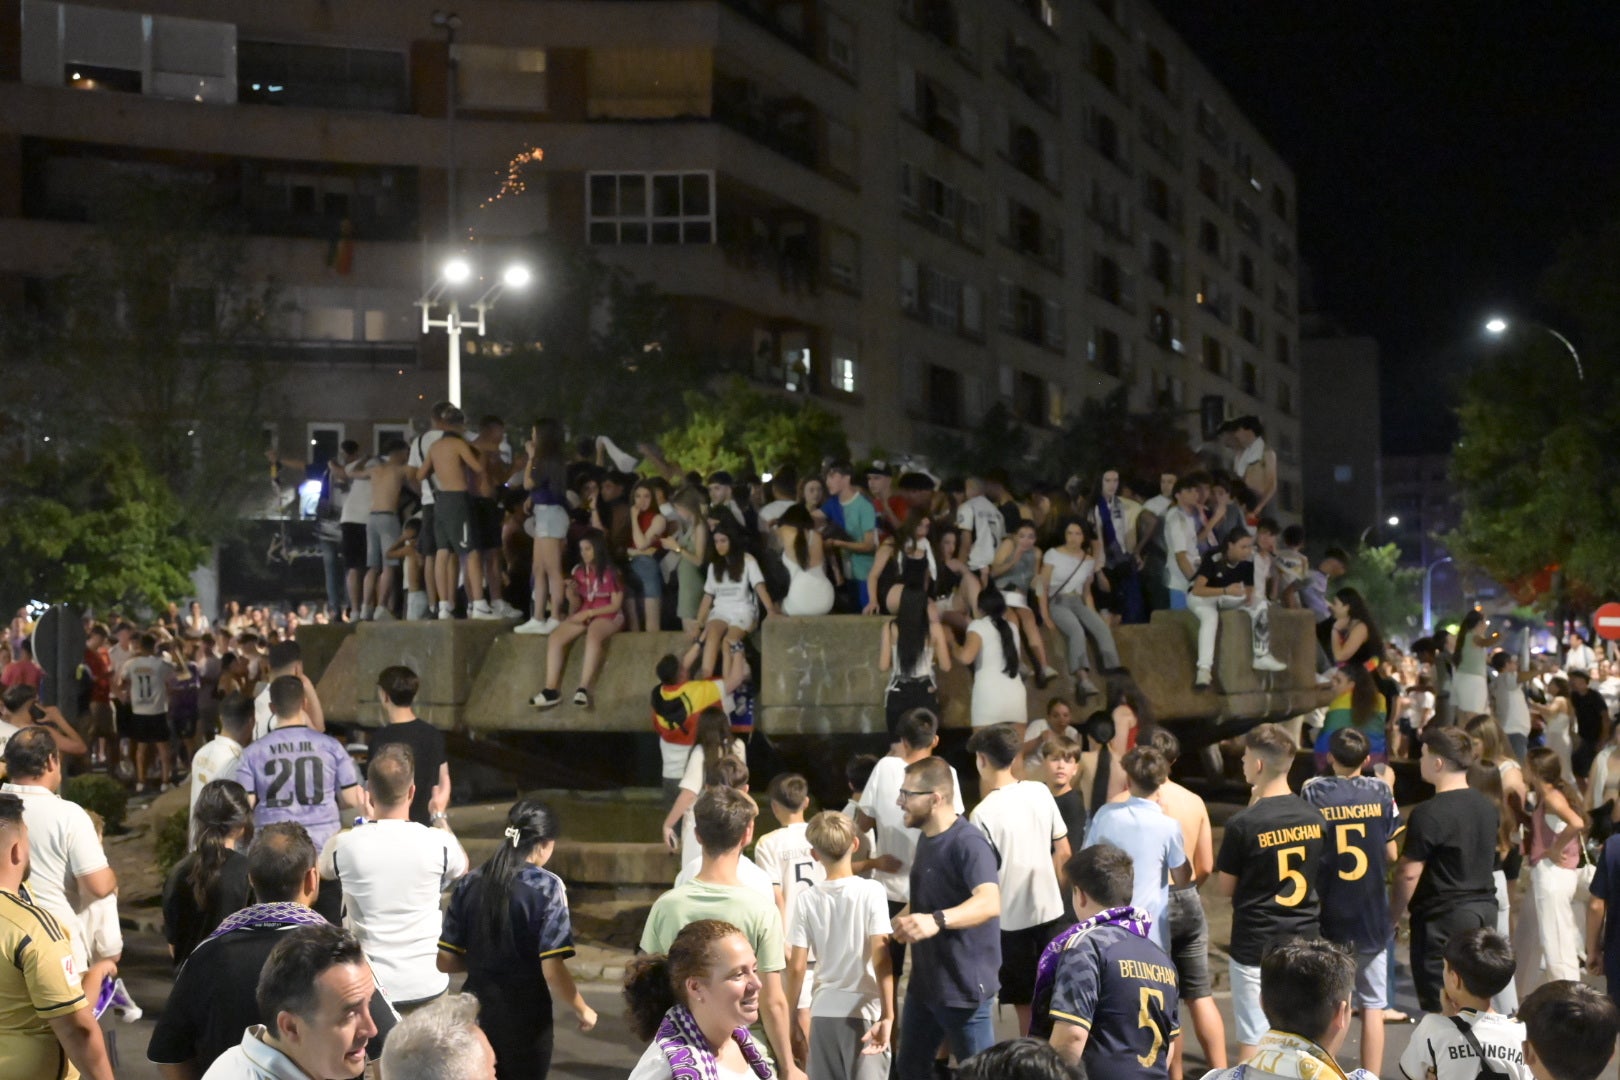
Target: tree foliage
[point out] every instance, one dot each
(1394, 594)
(1539, 451)
(741, 428)
(998, 441)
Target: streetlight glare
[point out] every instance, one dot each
(457, 271)
(516, 276)
(1394, 520)
(1496, 325)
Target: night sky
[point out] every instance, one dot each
(1443, 151)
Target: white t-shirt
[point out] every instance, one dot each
(148, 685)
(692, 780)
(63, 848)
(7, 730)
(1249, 456)
(1022, 822)
(836, 921)
(357, 500)
(1509, 704)
(733, 595)
(1180, 534)
(216, 759)
(654, 1065)
(263, 719)
(749, 876)
(984, 518)
(393, 874)
(419, 448)
(1067, 575)
(880, 802)
(785, 855)
(1439, 1047)
(1038, 729)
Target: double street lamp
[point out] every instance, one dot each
(1497, 326)
(453, 275)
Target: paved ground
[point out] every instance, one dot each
(606, 926)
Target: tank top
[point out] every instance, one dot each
(1543, 838)
(909, 569)
(1364, 653)
(922, 670)
(1472, 660)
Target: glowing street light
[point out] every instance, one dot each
(455, 272)
(1497, 326)
(1393, 521)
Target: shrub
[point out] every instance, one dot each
(102, 794)
(172, 835)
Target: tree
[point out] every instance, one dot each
(94, 528)
(1393, 594)
(741, 428)
(998, 441)
(1535, 462)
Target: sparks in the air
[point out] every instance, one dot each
(514, 183)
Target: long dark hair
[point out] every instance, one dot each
(911, 626)
(1359, 612)
(905, 537)
(1545, 765)
(1365, 699)
(529, 823)
(799, 519)
(1119, 688)
(712, 735)
(222, 810)
(994, 606)
(600, 565)
(1465, 632)
(730, 566)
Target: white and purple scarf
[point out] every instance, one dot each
(1133, 919)
(261, 916)
(688, 1053)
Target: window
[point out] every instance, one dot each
(328, 324)
(1249, 379)
(943, 207)
(1248, 325)
(844, 258)
(322, 77)
(501, 77)
(1209, 181)
(1158, 134)
(324, 441)
(1247, 220)
(99, 49)
(843, 153)
(973, 310)
(1164, 329)
(1279, 202)
(1156, 197)
(1209, 125)
(651, 208)
(1110, 282)
(1107, 352)
(943, 396)
(1024, 67)
(1246, 274)
(1214, 356)
(1029, 399)
(1158, 69)
(1104, 65)
(1162, 265)
(840, 42)
(1209, 237)
(1054, 404)
(382, 433)
(1105, 136)
(1285, 350)
(942, 299)
(842, 376)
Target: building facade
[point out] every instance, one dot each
(908, 212)
(1342, 440)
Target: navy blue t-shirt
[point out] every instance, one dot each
(541, 930)
(1122, 989)
(1606, 887)
(1362, 820)
(956, 967)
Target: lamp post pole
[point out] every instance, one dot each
(1498, 326)
(1428, 593)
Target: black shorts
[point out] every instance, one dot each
(905, 695)
(452, 522)
(486, 523)
(153, 728)
(1020, 955)
(426, 542)
(354, 546)
(123, 720)
(183, 725)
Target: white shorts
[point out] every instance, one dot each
(549, 522)
(743, 618)
(1014, 599)
(1469, 693)
(1246, 1011)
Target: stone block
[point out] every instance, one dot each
(445, 654)
(515, 668)
(320, 644)
(335, 686)
(597, 863)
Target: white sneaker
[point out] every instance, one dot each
(1267, 662)
(533, 626)
(1203, 679)
(382, 615)
(1323, 678)
(503, 610)
(549, 625)
(446, 611)
(482, 610)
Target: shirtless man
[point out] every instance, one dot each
(387, 475)
(487, 515)
(1189, 933)
(1253, 461)
(449, 464)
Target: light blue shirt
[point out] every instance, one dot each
(1152, 839)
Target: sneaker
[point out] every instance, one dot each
(446, 611)
(546, 699)
(1042, 678)
(549, 625)
(382, 615)
(140, 789)
(1267, 662)
(1083, 686)
(165, 786)
(534, 626)
(503, 610)
(582, 698)
(1324, 678)
(1049, 671)
(1203, 679)
(482, 610)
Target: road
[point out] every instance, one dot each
(609, 1052)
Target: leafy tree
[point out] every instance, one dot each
(998, 441)
(1537, 456)
(743, 428)
(1394, 594)
(94, 528)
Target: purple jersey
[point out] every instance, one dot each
(294, 774)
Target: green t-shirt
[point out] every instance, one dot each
(860, 518)
(742, 907)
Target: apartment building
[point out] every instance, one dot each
(907, 212)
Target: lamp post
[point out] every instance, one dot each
(1497, 326)
(1428, 593)
(455, 273)
(1393, 521)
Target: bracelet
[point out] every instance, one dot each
(437, 817)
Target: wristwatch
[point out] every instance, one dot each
(939, 917)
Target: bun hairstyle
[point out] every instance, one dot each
(657, 983)
(529, 824)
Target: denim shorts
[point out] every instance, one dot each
(550, 522)
(646, 569)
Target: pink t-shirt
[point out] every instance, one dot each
(22, 673)
(595, 590)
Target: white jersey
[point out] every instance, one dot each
(988, 526)
(148, 685)
(786, 856)
(1440, 1050)
(880, 802)
(1022, 822)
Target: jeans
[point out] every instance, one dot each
(923, 1025)
(1520, 745)
(1209, 608)
(332, 564)
(1071, 615)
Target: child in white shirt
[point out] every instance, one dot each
(1449, 1046)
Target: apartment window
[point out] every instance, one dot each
(1285, 398)
(1209, 237)
(1164, 329)
(1214, 356)
(1158, 69)
(844, 258)
(1024, 67)
(501, 77)
(1246, 274)
(1161, 264)
(942, 299)
(1104, 64)
(973, 309)
(322, 77)
(1279, 202)
(1042, 11)
(1157, 133)
(840, 42)
(1105, 136)
(324, 442)
(376, 322)
(651, 208)
(1283, 301)
(843, 155)
(1209, 125)
(1248, 325)
(1209, 181)
(842, 376)
(1156, 197)
(1285, 350)
(382, 434)
(1107, 352)
(1029, 399)
(1109, 281)
(1247, 220)
(328, 324)
(1035, 157)
(1249, 379)
(944, 396)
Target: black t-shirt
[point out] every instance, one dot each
(1453, 835)
(1590, 712)
(184, 923)
(427, 748)
(956, 968)
(1219, 574)
(1072, 809)
(1274, 848)
(212, 1002)
(1122, 989)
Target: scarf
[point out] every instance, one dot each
(1293, 1058)
(264, 916)
(688, 1053)
(1133, 919)
(1113, 549)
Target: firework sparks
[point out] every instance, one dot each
(514, 183)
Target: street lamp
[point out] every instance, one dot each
(457, 271)
(1497, 326)
(1428, 593)
(1393, 521)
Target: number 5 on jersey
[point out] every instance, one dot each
(1288, 874)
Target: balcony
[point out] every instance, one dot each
(1022, 66)
(784, 123)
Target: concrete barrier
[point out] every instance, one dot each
(819, 675)
(320, 644)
